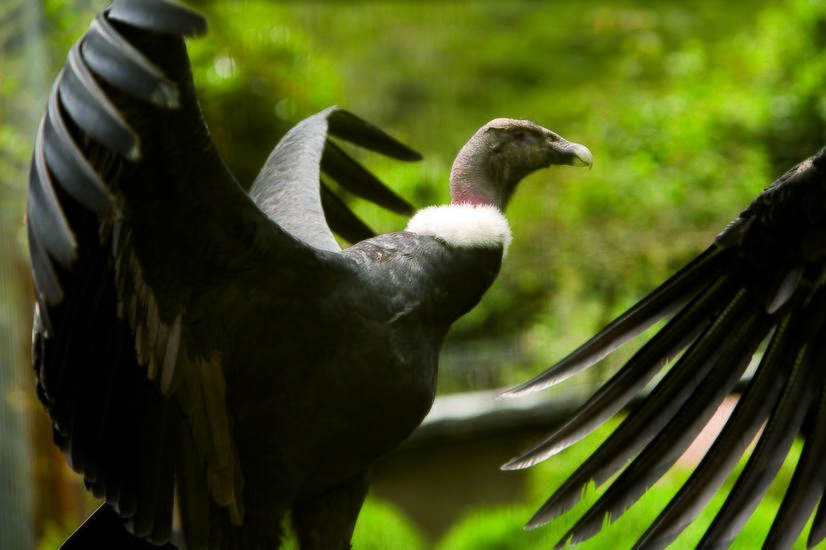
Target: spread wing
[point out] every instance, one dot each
(287, 191)
(138, 233)
(760, 283)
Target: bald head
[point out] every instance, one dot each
(501, 153)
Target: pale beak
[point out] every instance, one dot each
(572, 154)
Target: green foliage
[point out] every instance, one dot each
(380, 526)
(54, 535)
(496, 529)
(256, 77)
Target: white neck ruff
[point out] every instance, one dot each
(464, 225)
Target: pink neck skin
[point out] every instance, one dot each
(465, 187)
(464, 195)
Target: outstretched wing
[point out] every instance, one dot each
(763, 280)
(138, 235)
(286, 187)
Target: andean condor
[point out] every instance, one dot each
(213, 357)
(149, 260)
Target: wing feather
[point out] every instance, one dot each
(748, 417)
(672, 440)
(784, 424)
(62, 154)
(349, 127)
(341, 219)
(45, 214)
(135, 473)
(166, 16)
(120, 64)
(766, 270)
(140, 240)
(630, 380)
(651, 416)
(665, 300)
(818, 531)
(87, 105)
(289, 190)
(46, 285)
(355, 178)
(806, 487)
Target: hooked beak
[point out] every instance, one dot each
(573, 154)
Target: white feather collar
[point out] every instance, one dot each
(464, 225)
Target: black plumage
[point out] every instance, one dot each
(760, 282)
(214, 352)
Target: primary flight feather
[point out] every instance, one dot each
(761, 282)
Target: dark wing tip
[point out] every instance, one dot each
(92, 110)
(45, 217)
(341, 219)
(358, 180)
(347, 126)
(541, 381)
(663, 301)
(120, 64)
(165, 16)
(65, 159)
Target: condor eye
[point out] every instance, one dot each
(519, 135)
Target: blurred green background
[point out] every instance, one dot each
(689, 107)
